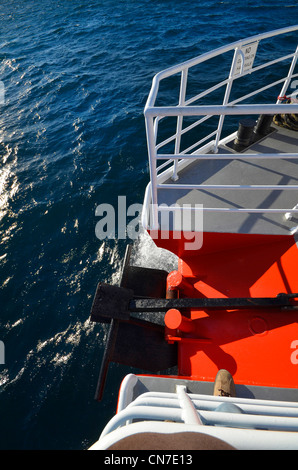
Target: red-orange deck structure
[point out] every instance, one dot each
(258, 346)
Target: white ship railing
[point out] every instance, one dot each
(271, 424)
(207, 146)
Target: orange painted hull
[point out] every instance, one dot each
(258, 346)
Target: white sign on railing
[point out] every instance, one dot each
(248, 53)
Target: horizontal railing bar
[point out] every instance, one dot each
(143, 413)
(266, 64)
(273, 187)
(163, 165)
(207, 405)
(227, 80)
(209, 418)
(183, 131)
(249, 95)
(247, 420)
(255, 92)
(201, 141)
(200, 121)
(200, 207)
(207, 92)
(213, 398)
(194, 124)
(218, 110)
(166, 141)
(227, 156)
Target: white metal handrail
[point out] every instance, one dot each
(231, 110)
(202, 410)
(263, 424)
(209, 55)
(154, 114)
(206, 405)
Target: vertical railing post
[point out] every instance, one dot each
(227, 96)
(288, 79)
(152, 167)
(182, 94)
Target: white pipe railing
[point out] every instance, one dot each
(154, 114)
(209, 55)
(217, 110)
(182, 407)
(228, 156)
(207, 405)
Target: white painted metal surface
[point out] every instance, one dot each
(242, 439)
(207, 147)
(260, 424)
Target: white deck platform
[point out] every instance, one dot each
(258, 171)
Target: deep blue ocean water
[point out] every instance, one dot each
(76, 76)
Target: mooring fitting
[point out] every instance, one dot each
(175, 283)
(245, 134)
(263, 125)
(175, 321)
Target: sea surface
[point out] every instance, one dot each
(76, 76)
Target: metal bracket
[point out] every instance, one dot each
(131, 341)
(118, 303)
